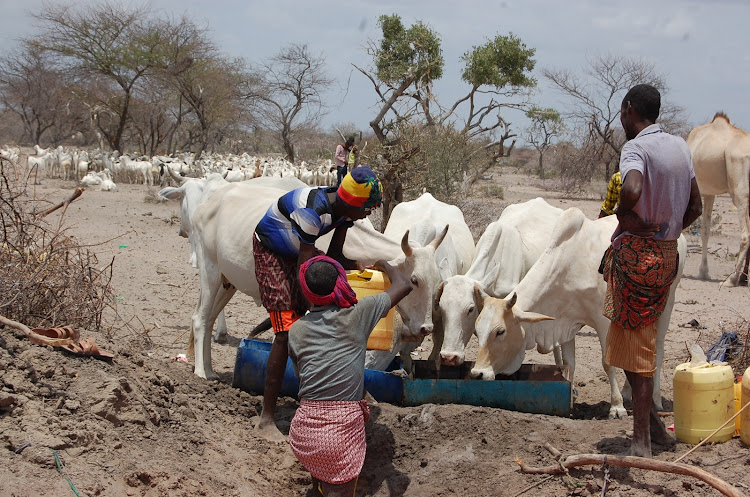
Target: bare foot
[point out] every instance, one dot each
(267, 429)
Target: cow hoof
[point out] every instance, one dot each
(617, 412)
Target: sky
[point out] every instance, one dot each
(702, 47)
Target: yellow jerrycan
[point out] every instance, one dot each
(371, 282)
(703, 401)
(745, 416)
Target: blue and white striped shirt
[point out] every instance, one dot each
(300, 216)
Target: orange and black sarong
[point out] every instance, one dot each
(638, 276)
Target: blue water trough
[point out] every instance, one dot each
(534, 388)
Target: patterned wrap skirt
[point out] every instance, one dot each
(328, 438)
(278, 281)
(639, 276)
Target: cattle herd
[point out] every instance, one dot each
(531, 281)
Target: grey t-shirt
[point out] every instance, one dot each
(327, 347)
(664, 160)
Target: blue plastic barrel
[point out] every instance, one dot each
(250, 375)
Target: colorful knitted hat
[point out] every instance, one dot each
(360, 189)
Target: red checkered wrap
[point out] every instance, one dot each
(277, 281)
(328, 438)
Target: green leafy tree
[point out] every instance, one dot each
(546, 124)
(406, 63)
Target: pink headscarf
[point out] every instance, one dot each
(342, 294)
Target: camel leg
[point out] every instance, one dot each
(708, 206)
(739, 276)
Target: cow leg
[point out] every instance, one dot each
(223, 296)
(557, 354)
(616, 409)
(222, 299)
(708, 205)
(204, 318)
(567, 353)
(220, 336)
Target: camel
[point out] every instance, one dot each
(721, 159)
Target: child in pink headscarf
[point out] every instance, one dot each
(327, 347)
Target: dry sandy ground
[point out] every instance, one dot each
(144, 425)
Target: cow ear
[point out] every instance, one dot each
(435, 243)
(439, 293)
(512, 301)
(479, 297)
(445, 269)
(489, 279)
(531, 317)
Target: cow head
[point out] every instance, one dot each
(502, 338)
(419, 266)
(460, 300)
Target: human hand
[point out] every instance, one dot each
(632, 223)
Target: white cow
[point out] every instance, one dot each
(431, 253)
(223, 226)
(505, 253)
(191, 193)
(565, 284)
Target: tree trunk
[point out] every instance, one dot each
(117, 142)
(541, 165)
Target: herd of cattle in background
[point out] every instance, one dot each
(105, 169)
(531, 280)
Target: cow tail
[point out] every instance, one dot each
(191, 343)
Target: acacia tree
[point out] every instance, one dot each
(39, 93)
(407, 62)
(116, 46)
(288, 90)
(595, 94)
(545, 125)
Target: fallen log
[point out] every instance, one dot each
(633, 462)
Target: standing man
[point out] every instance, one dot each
(613, 195)
(342, 158)
(284, 239)
(659, 198)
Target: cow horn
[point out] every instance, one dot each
(405, 245)
(437, 241)
(510, 303)
(176, 177)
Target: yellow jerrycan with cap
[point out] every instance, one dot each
(371, 282)
(703, 401)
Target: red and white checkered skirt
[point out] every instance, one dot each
(328, 438)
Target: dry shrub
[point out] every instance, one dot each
(46, 277)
